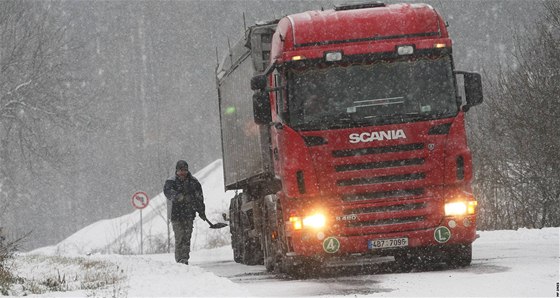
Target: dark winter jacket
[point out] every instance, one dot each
(186, 197)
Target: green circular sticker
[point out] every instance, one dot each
(331, 245)
(442, 234)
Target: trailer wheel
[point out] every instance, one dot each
(251, 251)
(459, 256)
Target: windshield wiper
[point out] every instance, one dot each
(339, 117)
(392, 116)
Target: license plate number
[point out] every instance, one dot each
(387, 243)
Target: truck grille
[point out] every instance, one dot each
(385, 222)
(381, 179)
(377, 150)
(393, 208)
(393, 179)
(361, 168)
(401, 216)
(383, 194)
(379, 165)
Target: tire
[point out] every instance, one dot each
(459, 256)
(235, 224)
(269, 254)
(252, 252)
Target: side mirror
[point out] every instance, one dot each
(473, 89)
(258, 82)
(261, 108)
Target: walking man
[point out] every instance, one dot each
(185, 194)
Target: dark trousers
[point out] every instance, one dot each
(183, 231)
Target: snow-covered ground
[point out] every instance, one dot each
(523, 263)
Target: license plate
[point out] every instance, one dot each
(387, 243)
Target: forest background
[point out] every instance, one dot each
(98, 99)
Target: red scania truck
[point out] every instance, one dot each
(343, 131)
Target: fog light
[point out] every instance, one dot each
(333, 56)
(467, 222)
(452, 224)
(405, 50)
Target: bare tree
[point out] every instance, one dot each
(40, 97)
(36, 94)
(518, 173)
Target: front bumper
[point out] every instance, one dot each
(317, 243)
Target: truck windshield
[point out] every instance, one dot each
(340, 96)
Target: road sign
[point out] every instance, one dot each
(140, 200)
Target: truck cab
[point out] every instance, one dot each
(367, 142)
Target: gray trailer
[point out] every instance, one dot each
(245, 145)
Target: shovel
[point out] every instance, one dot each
(217, 225)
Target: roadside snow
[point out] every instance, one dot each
(126, 276)
(165, 278)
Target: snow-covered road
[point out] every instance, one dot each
(522, 263)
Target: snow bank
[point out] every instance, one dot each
(122, 234)
(164, 278)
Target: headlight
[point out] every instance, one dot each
(460, 208)
(313, 221)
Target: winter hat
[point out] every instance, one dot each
(181, 164)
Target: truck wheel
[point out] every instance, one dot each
(459, 256)
(234, 228)
(269, 249)
(269, 256)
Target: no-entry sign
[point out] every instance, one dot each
(140, 200)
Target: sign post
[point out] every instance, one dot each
(140, 200)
